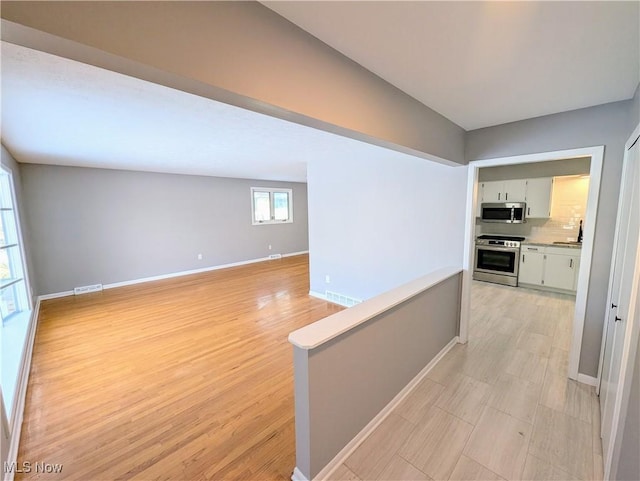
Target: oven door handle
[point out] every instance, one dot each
(498, 249)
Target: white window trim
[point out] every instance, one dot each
(23, 258)
(271, 190)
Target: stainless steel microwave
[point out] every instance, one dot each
(504, 212)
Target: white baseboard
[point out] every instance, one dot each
(298, 476)
(171, 275)
(299, 253)
(55, 295)
(17, 413)
(318, 295)
(589, 380)
(328, 470)
(182, 273)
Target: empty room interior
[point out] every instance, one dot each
(318, 240)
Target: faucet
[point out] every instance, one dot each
(580, 232)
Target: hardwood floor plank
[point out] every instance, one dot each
(184, 378)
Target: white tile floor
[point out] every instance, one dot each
(499, 407)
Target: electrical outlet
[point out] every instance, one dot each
(327, 279)
(199, 257)
(269, 246)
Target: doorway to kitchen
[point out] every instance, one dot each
(595, 157)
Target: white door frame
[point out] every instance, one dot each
(596, 154)
(627, 146)
(629, 348)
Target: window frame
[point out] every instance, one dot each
(271, 191)
(23, 300)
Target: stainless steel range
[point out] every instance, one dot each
(497, 259)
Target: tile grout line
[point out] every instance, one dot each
(410, 463)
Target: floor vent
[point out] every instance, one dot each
(341, 299)
(87, 289)
(275, 256)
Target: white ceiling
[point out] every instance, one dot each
(62, 112)
(477, 63)
(486, 63)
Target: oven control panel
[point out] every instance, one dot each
(498, 242)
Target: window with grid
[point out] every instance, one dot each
(271, 206)
(13, 288)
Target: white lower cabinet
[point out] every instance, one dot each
(551, 267)
(560, 271)
(531, 265)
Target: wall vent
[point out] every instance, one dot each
(87, 289)
(341, 299)
(275, 256)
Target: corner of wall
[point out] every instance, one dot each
(634, 116)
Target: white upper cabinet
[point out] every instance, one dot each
(515, 190)
(538, 197)
(503, 190)
(493, 191)
(535, 192)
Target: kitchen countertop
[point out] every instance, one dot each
(551, 244)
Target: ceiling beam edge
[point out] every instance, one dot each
(279, 71)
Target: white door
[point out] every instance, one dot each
(626, 250)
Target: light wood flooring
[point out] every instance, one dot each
(186, 378)
(499, 407)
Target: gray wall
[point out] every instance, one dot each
(226, 50)
(92, 226)
(341, 385)
(606, 125)
(377, 223)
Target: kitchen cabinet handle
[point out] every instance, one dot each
(506, 196)
(523, 258)
(618, 319)
(613, 306)
(532, 248)
(498, 195)
(528, 210)
(571, 263)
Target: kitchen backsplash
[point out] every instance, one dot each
(568, 206)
